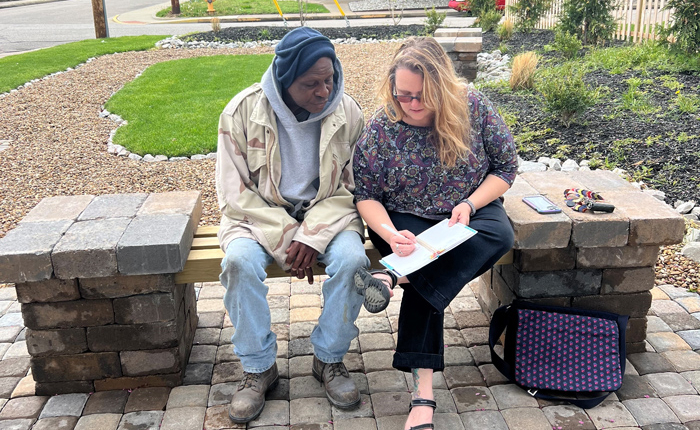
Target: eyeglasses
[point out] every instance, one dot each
(405, 98)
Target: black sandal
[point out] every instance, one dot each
(422, 402)
(376, 291)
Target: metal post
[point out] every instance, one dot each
(104, 11)
(280, 12)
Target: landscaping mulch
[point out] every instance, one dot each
(244, 34)
(660, 147)
(58, 141)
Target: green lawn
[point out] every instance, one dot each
(21, 68)
(195, 8)
(173, 108)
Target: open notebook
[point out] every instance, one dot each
(432, 243)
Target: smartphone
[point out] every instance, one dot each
(541, 204)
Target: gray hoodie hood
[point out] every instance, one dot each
(299, 142)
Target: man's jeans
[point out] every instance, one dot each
(243, 275)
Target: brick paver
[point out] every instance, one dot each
(660, 389)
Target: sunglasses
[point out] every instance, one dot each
(405, 98)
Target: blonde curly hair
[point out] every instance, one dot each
(444, 94)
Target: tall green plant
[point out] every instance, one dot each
(433, 20)
(489, 20)
(567, 44)
(591, 20)
(564, 91)
(529, 12)
(480, 7)
(685, 29)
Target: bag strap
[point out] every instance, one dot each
(499, 321)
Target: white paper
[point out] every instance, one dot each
(440, 237)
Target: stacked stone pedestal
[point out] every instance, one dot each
(462, 46)
(95, 277)
(587, 260)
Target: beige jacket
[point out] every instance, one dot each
(248, 170)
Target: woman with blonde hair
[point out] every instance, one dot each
(437, 149)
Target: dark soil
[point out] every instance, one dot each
(661, 148)
(244, 34)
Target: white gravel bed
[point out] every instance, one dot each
(365, 5)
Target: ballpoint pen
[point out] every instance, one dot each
(421, 242)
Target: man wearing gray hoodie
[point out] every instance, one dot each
(284, 184)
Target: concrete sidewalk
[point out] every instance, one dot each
(660, 391)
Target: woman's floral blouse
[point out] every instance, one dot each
(396, 164)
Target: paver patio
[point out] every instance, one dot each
(660, 390)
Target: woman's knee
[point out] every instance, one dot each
(506, 237)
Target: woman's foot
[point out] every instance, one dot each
(376, 286)
(420, 415)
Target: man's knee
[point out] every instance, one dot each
(346, 244)
(244, 255)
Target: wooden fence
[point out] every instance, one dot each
(629, 18)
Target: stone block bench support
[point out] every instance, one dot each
(462, 46)
(587, 260)
(95, 279)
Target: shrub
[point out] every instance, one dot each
(505, 30)
(523, 74)
(433, 20)
(480, 7)
(503, 48)
(566, 43)
(636, 100)
(528, 13)
(591, 21)
(564, 92)
(488, 21)
(685, 29)
(687, 104)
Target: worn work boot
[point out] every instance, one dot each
(249, 400)
(340, 388)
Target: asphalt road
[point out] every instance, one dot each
(35, 26)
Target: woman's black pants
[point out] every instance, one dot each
(420, 342)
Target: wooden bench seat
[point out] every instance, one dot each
(204, 261)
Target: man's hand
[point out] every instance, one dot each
(302, 258)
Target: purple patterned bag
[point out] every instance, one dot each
(557, 352)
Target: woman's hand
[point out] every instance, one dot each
(460, 214)
(403, 245)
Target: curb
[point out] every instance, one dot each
(17, 3)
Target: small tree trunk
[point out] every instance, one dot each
(302, 12)
(175, 7)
